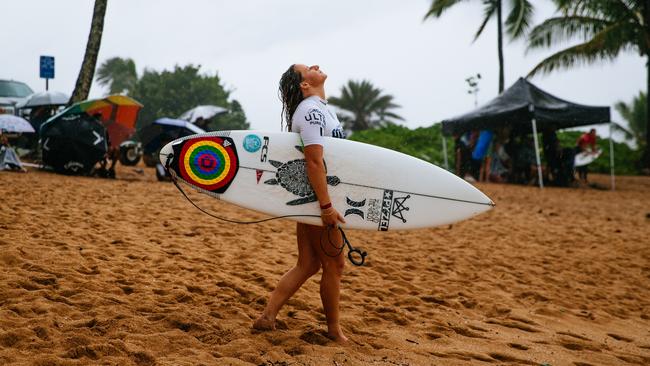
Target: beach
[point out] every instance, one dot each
(128, 272)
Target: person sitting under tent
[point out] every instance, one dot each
(499, 163)
(559, 160)
(463, 151)
(9, 160)
(524, 163)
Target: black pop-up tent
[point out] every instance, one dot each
(525, 108)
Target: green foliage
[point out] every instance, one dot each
(604, 27)
(626, 160)
(369, 108)
(118, 74)
(424, 143)
(170, 93)
(636, 115)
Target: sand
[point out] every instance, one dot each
(126, 272)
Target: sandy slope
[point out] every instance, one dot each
(126, 272)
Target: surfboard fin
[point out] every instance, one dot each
(275, 163)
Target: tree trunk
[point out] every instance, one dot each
(646, 161)
(87, 72)
(500, 38)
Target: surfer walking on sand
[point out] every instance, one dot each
(305, 111)
(586, 143)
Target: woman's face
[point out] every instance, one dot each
(311, 74)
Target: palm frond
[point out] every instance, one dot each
(624, 110)
(606, 45)
(488, 12)
(392, 115)
(622, 10)
(438, 7)
(363, 101)
(626, 133)
(518, 21)
(561, 29)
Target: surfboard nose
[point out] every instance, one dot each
(480, 198)
(165, 153)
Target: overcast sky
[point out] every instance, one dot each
(249, 43)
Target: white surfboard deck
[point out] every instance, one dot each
(586, 157)
(372, 187)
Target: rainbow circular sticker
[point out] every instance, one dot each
(208, 162)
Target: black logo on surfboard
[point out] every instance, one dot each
(355, 208)
(392, 207)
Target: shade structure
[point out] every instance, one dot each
(44, 98)
(73, 144)
(525, 108)
(202, 111)
(15, 124)
(518, 105)
(157, 134)
(118, 113)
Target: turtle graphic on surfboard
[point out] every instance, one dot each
(292, 176)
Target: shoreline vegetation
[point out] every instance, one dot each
(426, 143)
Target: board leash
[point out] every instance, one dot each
(357, 256)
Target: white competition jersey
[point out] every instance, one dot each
(314, 119)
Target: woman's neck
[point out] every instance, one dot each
(319, 92)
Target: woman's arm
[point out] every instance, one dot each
(317, 177)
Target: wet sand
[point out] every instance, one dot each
(127, 272)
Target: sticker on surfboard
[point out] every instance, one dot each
(210, 162)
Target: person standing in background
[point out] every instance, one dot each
(585, 143)
(479, 153)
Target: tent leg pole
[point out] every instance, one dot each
(539, 163)
(611, 158)
(444, 151)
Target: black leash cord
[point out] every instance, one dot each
(357, 261)
(355, 255)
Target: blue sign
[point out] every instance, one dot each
(252, 143)
(47, 67)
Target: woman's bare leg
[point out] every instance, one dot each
(308, 264)
(332, 261)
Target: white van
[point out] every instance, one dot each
(12, 92)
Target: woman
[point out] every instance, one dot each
(305, 111)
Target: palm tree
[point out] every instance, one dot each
(366, 104)
(118, 74)
(85, 78)
(636, 116)
(517, 23)
(605, 27)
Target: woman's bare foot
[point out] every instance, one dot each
(337, 336)
(264, 323)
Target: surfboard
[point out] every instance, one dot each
(586, 157)
(372, 187)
